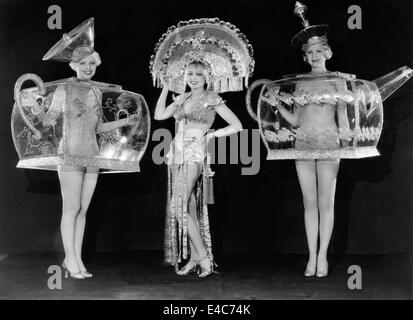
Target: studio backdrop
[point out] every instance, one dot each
(259, 213)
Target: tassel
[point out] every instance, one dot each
(210, 190)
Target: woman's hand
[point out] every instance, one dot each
(270, 100)
(209, 136)
(133, 119)
(165, 85)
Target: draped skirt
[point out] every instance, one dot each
(176, 242)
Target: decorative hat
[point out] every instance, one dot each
(310, 34)
(219, 45)
(75, 45)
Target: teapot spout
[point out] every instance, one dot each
(392, 81)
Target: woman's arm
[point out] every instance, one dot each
(112, 125)
(234, 125)
(342, 115)
(293, 118)
(108, 126)
(162, 113)
(343, 124)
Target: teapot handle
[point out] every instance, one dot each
(248, 96)
(17, 97)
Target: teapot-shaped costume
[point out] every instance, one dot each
(357, 117)
(227, 57)
(60, 122)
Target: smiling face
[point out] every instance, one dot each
(195, 76)
(86, 68)
(316, 56)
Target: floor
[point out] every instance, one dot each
(142, 276)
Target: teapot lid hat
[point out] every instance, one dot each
(75, 45)
(311, 34)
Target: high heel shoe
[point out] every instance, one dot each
(86, 274)
(207, 267)
(322, 273)
(74, 275)
(309, 272)
(191, 266)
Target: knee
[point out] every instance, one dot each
(82, 212)
(191, 204)
(326, 205)
(310, 204)
(72, 209)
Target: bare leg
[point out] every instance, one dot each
(327, 176)
(306, 171)
(88, 188)
(192, 213)
(193, 173)
(71, 188)
(195, 240)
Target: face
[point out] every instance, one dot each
(316, 56)
(195, 77)
(86, 68)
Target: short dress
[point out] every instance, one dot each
(80, 102)
(189, 146)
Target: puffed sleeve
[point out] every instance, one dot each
(214, 100)
(180, 99)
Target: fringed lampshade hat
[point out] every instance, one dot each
(219, 45)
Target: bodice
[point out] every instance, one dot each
(202, 113)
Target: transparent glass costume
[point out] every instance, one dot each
(354, 114)
(339, 116)
(60, 123)
(74, 122)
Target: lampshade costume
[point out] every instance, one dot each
(75, 122)
(340, 116)
(227, 56)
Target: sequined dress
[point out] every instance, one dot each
(189, 146)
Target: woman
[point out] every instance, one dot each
(80, 101)
(194, 113)
(317, 129)
(208, 56)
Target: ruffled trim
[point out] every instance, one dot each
(303, 97)
(285, 135)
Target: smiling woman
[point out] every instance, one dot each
(317, 55)
(81, 100)
(85, 68)
(76, 104)
(196, 75)
(198, 55)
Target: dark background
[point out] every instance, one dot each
(253, 214)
